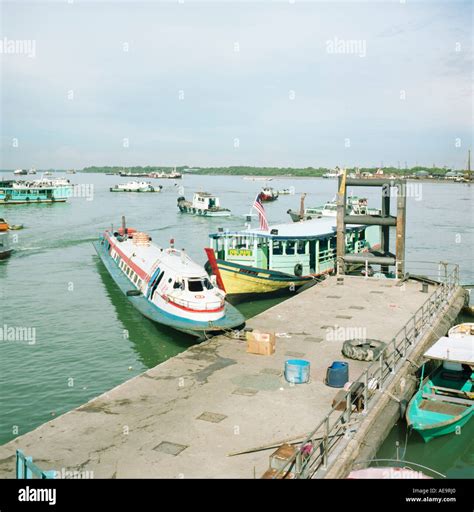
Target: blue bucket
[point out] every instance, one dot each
(337, 374)
(297, 371)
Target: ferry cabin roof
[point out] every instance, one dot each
(307, 230)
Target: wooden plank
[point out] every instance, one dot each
(445, 398)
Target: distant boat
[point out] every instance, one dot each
(204, 204)
(19, 172)
(174, 175)
(47, 173)
(268, 194)
(445, 401)
(355, 206)
(136, 186)
(165, 285)
(32, 171)
(286, 191)
(332, 174)
(71, 171)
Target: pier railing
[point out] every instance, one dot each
(27, 469)
(320, 448)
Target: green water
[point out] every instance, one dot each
(88, 338)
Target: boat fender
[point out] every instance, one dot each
(298, 270)
(403, 407)
(133, 293)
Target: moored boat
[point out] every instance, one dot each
(20, 172)
(355, 206)
(255, 263)
(268, 194)
(136, 186)
(203, 204)
(165, 285)
(461, 330)
(5, 246)
(444, 402)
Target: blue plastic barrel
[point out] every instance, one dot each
(297, 371)
(337, 374)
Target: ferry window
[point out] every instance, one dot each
(208, 284)
(178, 285)
(277, 247)
(169, 280)
(301, 247)
(195, 285)
(290, 247)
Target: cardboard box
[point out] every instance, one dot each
(262, 343)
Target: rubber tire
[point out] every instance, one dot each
(298, 270)
(363, 350)
(133, 293)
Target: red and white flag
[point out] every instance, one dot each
(261, 213)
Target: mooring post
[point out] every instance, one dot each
(385, 230)
(341, 228)
(401, 225)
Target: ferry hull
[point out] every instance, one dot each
(246, 282)
(232, 318)
(204, 213)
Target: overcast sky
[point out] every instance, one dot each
(254, 83)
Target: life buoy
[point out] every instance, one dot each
(298, 270)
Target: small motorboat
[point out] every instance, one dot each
(287, 191)
(165, 285)
(445, 400)
(461, 330)
(136, 186)
(204, 204)
(4, 226)
(268, 194)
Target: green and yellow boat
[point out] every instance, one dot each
(445, 401)
(254, 263)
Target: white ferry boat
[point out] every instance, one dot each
(165, 285)
(203, 204)
(136, 186)
(355, 206)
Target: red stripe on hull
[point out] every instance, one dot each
(141, 273)
(217, 310)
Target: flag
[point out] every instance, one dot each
(261, 213)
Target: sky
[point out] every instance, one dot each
(286, 84)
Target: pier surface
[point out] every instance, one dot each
(182, 418)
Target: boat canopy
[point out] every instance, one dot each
(307, 230)
(456, 350)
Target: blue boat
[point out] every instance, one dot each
(165, 285)
(445, 401)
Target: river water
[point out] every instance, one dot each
(85, 336)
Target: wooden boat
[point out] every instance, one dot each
(268, 194)
(165, 285)
(461, 330)
(355, 206)
(136, 186)
(4, 226)
(15, 192)
(254, 263)
(204, 204)
(445, 401)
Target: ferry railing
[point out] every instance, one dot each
(27, 469)
(319, 450)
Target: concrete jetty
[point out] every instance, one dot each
(184, 417)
